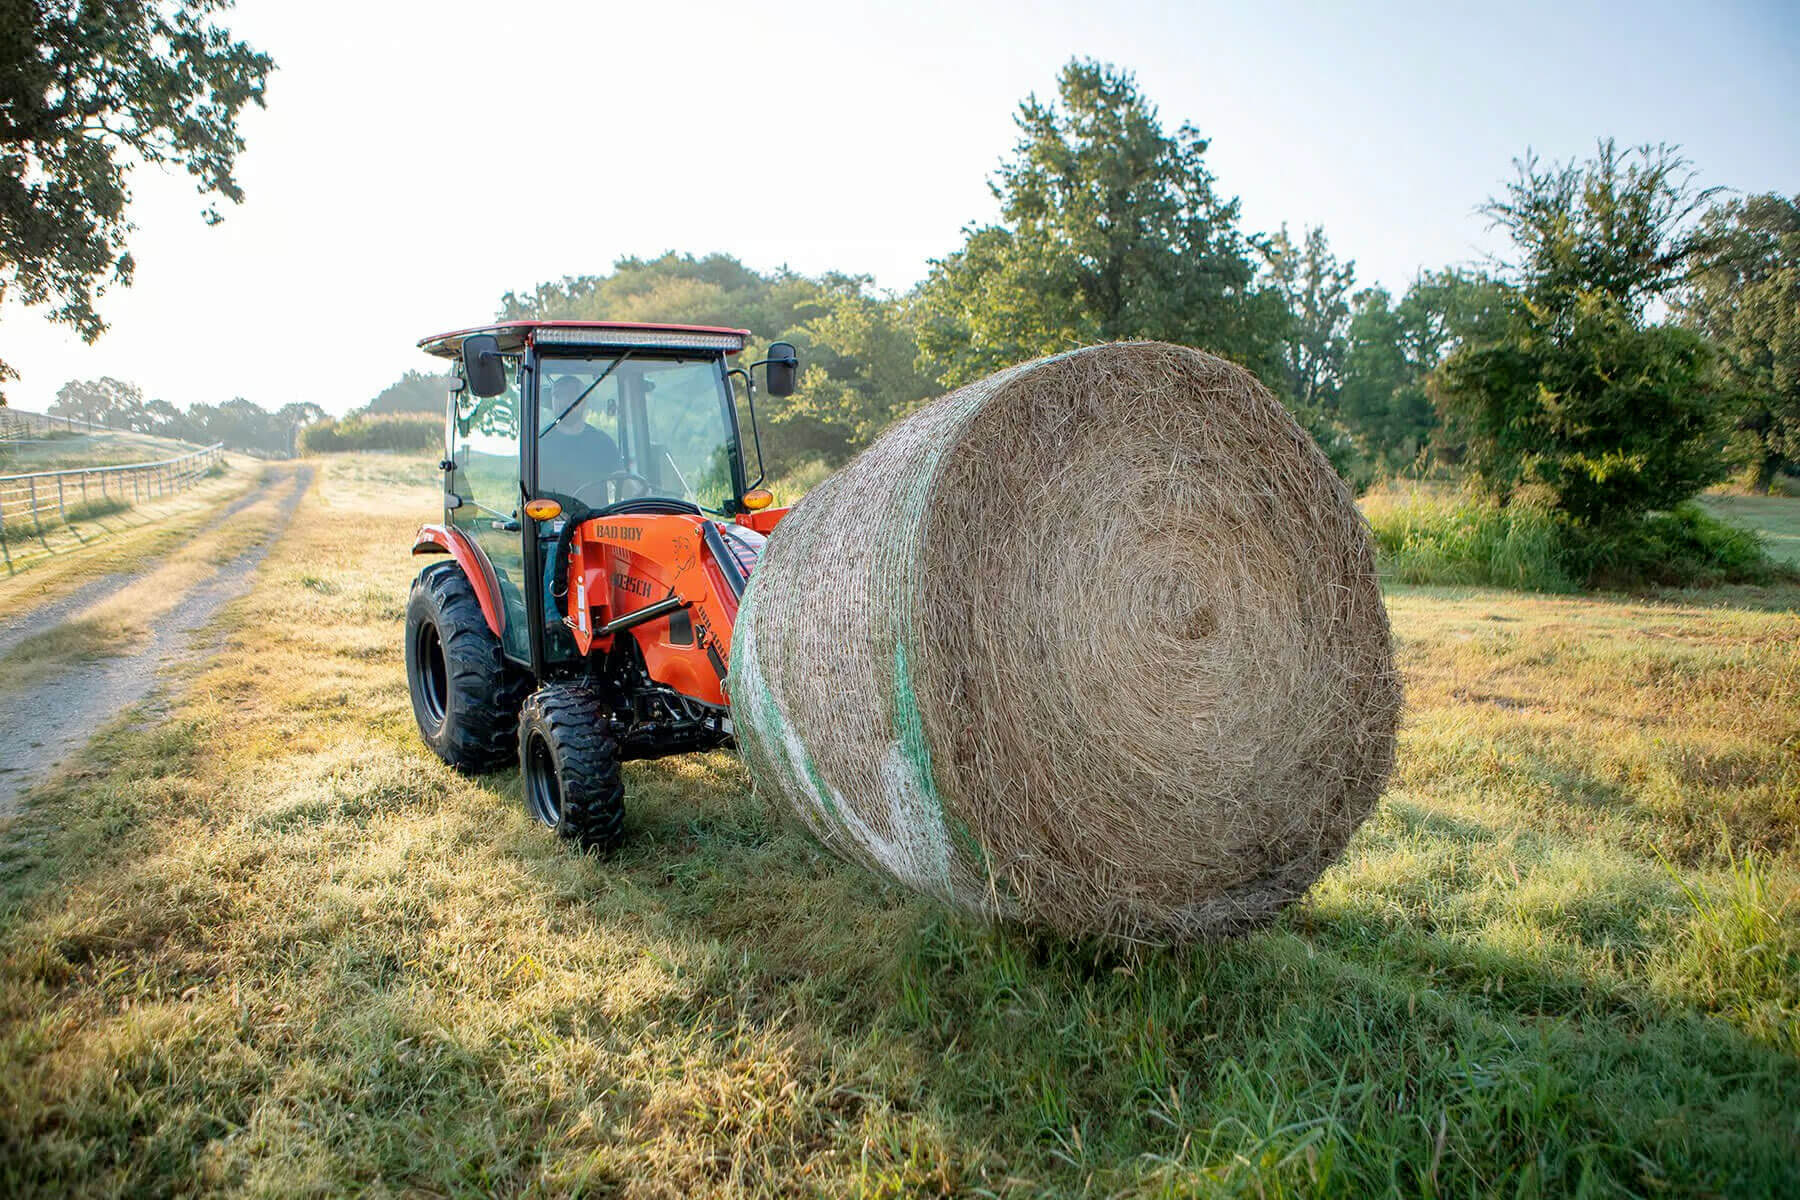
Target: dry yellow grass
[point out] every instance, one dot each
(119, 616)
(269, 945)
(119, 542)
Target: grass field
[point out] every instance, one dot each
(103, 538)
(1777, 518)
(64, 451)
(265, 943)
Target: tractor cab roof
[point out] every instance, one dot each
(514, 335)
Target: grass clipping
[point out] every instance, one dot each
(1094, 643)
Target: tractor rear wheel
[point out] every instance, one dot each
(465, 697)
(569, 764)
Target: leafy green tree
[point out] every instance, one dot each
(714, 289)
(1578, 395)
(1316, 289)
(1616, 226)
(1110, 229)
(862, 372)
(1613, 420)
(1745, 295)
(163, 418)
(1445, 309)
(86, 91)
(1392, 348)
(858, 349)
(105, 401)
(414, 391)
(1383, 401)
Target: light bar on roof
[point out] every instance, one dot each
(674, 339)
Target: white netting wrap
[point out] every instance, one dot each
(1096, 642)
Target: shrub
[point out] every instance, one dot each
(409, 433)
(1684, 546)
(799, 481)
(1611, 420)
(1466, 539)
(1426, 536)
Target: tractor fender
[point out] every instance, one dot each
(447, 539)
(763, 522)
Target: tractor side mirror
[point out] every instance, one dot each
(482, 365)
(784, 368)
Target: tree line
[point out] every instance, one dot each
(246, 426)
(239, 423)
(1637, 342)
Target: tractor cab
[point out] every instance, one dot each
(602, 519)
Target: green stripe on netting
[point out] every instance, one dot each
(771, 724)
(909, 726)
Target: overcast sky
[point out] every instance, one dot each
(418, 160)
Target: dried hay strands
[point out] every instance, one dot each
(1095, 642)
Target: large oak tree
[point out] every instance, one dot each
(90, 89)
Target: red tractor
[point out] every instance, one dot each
(601, 526)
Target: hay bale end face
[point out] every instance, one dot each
(1095, 642)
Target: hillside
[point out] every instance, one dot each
(59, 449)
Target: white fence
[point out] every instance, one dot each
(21, 426)
(31, 504)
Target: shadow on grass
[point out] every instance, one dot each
(1350, 1049)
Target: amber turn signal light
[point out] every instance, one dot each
(757, 499)
(543, 510)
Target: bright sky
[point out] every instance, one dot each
(417, 160)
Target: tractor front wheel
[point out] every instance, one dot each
(569, 765)
(464, 696)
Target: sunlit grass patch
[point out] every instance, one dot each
(117, 542)
(272, 944)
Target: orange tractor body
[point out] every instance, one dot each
(601, 530)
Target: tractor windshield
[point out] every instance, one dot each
(647, 426)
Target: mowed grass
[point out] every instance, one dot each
(118, 620)
(105, 538)
(1776, 518)
(268, 944)
(63, 451)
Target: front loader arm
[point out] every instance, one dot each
(664, 580)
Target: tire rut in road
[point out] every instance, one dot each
(43, 724)
(55, 612)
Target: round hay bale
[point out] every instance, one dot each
(1096, 642)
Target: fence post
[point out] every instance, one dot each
(36, 525)
(4, 547)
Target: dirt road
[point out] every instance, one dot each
(47, 719)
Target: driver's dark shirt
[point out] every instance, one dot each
(573, 455)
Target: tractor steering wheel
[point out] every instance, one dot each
(644, 486)
(596, 493)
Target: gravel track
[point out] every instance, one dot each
(54, 613)
(46, 722)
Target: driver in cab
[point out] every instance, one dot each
(572, 453)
